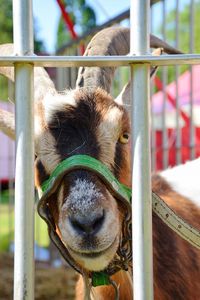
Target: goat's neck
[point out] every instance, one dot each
(122, 279)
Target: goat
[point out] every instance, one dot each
(88, 219)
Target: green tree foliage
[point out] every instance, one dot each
(184, 28)
(184, 34)
(6, 36)
(6, 26)
(83, 17)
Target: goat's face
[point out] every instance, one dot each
(87, 216)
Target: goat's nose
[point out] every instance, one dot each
(88, 225)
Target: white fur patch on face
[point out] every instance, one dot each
(184, 179)
(56, 102)
(82, 196)
(113, 115)
(108, 134)
(37, 126)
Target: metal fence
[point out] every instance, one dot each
(174, 122)
(174, 126)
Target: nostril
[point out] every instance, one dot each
(88, 224)
(98, 222)
(78, 226)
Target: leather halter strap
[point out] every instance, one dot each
(185, 230)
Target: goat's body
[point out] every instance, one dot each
(176, 263)
(87, 217)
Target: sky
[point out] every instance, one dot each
(47, 13)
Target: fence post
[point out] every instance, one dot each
(142, 208)
(24, 181)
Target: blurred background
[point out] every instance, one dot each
(64, 27)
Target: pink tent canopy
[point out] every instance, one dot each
(186, 86)
(7, 151)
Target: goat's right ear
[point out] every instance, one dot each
(7, 123)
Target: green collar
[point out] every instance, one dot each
(92, 164)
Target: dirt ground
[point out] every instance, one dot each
(50, 283)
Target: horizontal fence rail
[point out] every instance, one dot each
(101, 61)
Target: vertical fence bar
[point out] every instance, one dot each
(165, 143)
(142, 208)
(191, 46)
(153, 133)
(73, 71)
(178, 124)
(24, 182)
(10, 172)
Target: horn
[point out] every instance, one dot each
(155, 42)
(106, 42)
(111, 41)
(42, 82)
(7, 123)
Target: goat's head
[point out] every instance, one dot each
(87, 215)
(86, 120)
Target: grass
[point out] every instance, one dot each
(7, 196)
(7, 224)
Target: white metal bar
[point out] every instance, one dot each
(152, 91)
(153, 134)
(165, 144)
(142, 207)
(73, 71)
(192, 128)
(178, 118)
(10, 171)
(101, 61)
(24, 181)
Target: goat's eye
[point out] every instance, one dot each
(124, 138)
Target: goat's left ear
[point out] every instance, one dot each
(156, 52)
(7, 123)
(124, 97)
